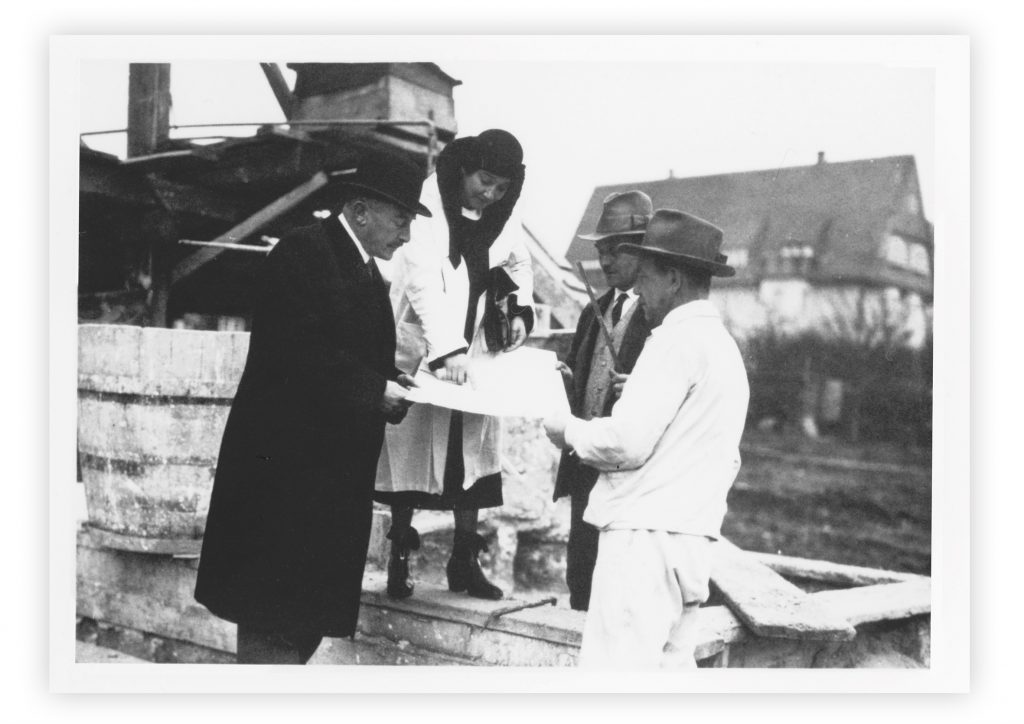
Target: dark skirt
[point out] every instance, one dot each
(484, 493)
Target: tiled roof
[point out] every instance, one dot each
(842, 211)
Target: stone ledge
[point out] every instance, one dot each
(547, 635)
(152, 594)
(86, 653)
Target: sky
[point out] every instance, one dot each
(587, 123)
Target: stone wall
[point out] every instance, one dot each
(142, 604)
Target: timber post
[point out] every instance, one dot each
(149, 107)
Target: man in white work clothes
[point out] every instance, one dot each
(668, 454)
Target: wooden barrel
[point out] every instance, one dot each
(152, 405)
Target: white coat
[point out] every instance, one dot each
(429, 297)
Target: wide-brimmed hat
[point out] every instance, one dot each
(389, 176)
(624, 213)
(681, 238)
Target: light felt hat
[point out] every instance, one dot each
(624, 213)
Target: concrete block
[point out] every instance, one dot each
(86, 653)
(149, 593)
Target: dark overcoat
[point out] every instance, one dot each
(290, 513)
(573, 475)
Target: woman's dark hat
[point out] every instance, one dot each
(495, 151)
(389, 176)
(680, 238)
(625, 213)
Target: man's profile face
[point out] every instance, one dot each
(387, 228)
(656, 288)
(619, 269)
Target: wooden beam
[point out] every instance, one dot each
(109, 181)
(187, 200)
(160, 232)
(829, 572)
(261, 218)
(149, 107)
(279, 85)
(116, 182)
(770, 605)
(884, 602)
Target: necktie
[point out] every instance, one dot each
(371, 269)
(617, 309)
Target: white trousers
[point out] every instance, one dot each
(646, 591)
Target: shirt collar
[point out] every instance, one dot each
(691, 310)
(631, 294)
(472, 214)
(352, 235)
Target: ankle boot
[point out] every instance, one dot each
(402, 542)
(464, 572)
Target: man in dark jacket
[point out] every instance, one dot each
(596, 379)
(290, 513)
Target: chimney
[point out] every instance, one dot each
(821, 157)
(385, 91)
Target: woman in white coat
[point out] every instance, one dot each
(462, 287)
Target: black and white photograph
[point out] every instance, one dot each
(557, 363)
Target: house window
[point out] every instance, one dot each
(737, 257)
(919, 260)
(907, 254)
(795, 259)
(897, 251)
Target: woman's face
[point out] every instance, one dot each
(482, 188)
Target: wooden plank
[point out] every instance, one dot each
(98, 177)
(155, 158)
(828, 572)
(124, 184)
(252, 224)
(770, 605)
(883, 602)
(185, 199)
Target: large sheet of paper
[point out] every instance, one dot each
(523, 383)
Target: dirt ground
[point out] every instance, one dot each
(867, 505)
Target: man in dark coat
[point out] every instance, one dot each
(596, 379)
(290, 513)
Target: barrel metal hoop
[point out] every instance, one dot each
(136, 466)
(134, 398)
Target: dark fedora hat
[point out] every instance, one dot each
(680, 238)
(388, 176)
(625, 212)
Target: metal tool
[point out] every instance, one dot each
(495, 615)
